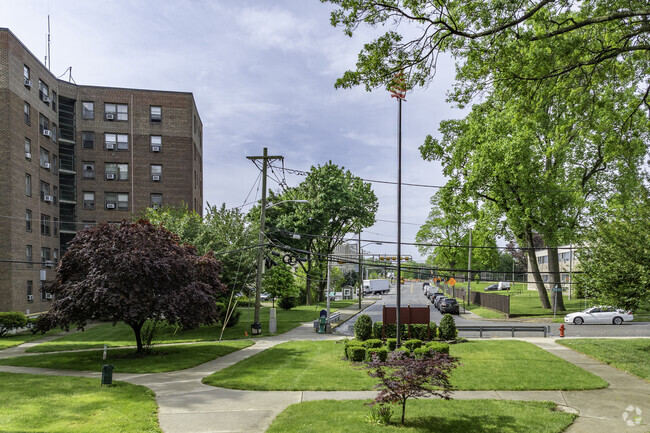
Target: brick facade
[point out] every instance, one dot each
(179, 157)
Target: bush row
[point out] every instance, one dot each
(359, 351)
(11, 320)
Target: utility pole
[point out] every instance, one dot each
(360, 270)
(469, 266)
(256, 327)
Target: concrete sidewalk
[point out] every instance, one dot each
(188, 406)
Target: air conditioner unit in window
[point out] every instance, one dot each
(155, 178)
(47, 133)
(48, 296)
(28, 82)
(110, 116)
(155, 148)
(47, 198)
(49, 263)
(110, 205)
(46, 99)
(46, 165)
(110, 176)
(110, 146)
(30, 297)
(88, 205)
(28, 155)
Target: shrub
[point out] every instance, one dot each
(222, 312)
(372, 343)
(434, 330)
(390, 331)
(438, 347)
(11, 320)
(376, 330)
(391, 343)
(448, 328)
(412, 344)
(31, 324)
(356, 353)
(403, 351)
(381, 352)
(363, 327)
(350, 344)
(419, 332)
(423, 352)
(380, 415)
(287, 303)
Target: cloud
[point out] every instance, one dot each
(275, 28)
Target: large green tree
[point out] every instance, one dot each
(340, 204)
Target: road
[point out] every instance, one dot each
(412, 295)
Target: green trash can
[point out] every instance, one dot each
(107, 374)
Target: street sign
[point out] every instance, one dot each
(451, 282)
(556, 289)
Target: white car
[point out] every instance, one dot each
(599, 314)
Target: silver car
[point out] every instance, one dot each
(599, 314)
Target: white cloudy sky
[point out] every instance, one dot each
(262, 73)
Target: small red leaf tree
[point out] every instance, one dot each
(133, 272)
(402, 377)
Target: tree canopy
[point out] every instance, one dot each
(133, 272)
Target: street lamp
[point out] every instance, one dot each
(256, 327)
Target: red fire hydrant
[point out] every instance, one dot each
(562, 330)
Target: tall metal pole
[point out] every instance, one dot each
(360, 270)
(260, 250)
(469, 266)
(328, 289)
(398, 300)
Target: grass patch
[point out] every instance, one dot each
(122, 335)
(629, 355)
(162, 358)
(15, 340)
(484, 312)
(30, 403)
(449, 416)
(486, 365)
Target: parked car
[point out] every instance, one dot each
(492, 288)
(600, 314)
(438, 300)
(449, 305)
(503, 285)
(265, 296)
(435, 296)
(425, 285)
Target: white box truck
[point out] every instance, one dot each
(375, 286)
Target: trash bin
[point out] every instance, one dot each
(107, 374)
(256, 328)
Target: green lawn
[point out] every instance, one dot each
(121, 335)
(630, 355)
(15, 340)
(163, 358)
(30, 403)
(486, 365)
(448, 416)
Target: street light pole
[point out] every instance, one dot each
(360, 276)
(469, 266)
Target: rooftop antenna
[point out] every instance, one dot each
(47, 56)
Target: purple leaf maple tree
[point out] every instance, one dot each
(133, 272)
(402, 377)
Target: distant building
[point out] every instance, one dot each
(567, 262)
(346, 257)
(77, 155)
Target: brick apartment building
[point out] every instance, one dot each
(77, 155)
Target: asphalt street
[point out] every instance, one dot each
(413, 295)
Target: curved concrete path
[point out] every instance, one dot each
(188, 406)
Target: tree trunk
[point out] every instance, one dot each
(532, 259)
(554, 270)
(403, 410)
(137, 330)
(308, 282)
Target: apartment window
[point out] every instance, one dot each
(88, 169)
(26, 73)
(30, 288)
(28, 220)
(156, 201)
(43, 124)
(89, 199)
(87, 110)
(43, 92)
(55, 195)
(545, 278)
(45, 225)
(116, 141)
(88, 224)
(116, 171)
(55, 164)
(44, 158)
(123, 201)
(87, 140)
(110, 199)
(541, 260)
(156, 113)
(28, 185)
(28, 149)
(156, 143)
(156, 172)
(27, 114)
(54, 132)
(55, 227)
(54, 100)
(45, 256)
(28, 256)
(55, 255)
(116, 111)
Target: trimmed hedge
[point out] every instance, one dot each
(11, 320)
(391, 343)
(363, 327)
(373, 343)
(349, 345)
(356, 353)
(418, 332)
(438, 347)
(381, 352)
(412, 344)
(376, 329)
